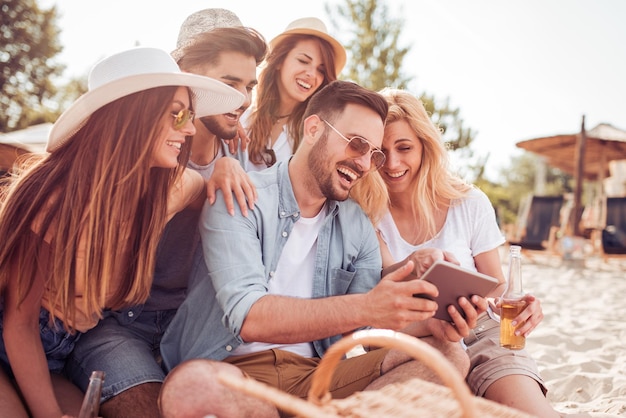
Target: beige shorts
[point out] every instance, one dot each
(292, 373)
(490, 362)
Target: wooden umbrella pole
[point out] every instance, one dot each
(579, 175)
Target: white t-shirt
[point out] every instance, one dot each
(470, 228)
(206, 170)
(293, 277)
(282, 147)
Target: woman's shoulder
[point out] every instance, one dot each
(188, 187)
(476, 197)
(474, 204)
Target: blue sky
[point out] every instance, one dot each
(517, 70)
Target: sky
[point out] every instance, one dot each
(516, 69)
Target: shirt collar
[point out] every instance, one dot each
(287, 204)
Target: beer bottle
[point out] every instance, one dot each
(512, 302)
(91, 401)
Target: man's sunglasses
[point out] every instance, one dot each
(268, 156)
(357, 146)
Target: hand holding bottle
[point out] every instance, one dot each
(531, 316)
(512, 304)
(91, 401)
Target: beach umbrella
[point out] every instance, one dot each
(23, 141)
(32, 139)
(584, 155)
(603, 144)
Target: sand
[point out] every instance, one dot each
(580, 346)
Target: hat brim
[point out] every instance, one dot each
(338, 49)
(212, 97)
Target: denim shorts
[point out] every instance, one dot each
(57, 343)
(128, 354)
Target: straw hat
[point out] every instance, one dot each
(314, 26)
(135, 70)
(200, 22)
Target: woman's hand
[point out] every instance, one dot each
(240, 138)
(461, 325)
(231, 178)
(423, 259)
(529, 318)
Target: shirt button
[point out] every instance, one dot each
(130, 314)
(229, 348)
(272, 273)
(284, 234)
(282, 213)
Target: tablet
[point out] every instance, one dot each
(454, 281)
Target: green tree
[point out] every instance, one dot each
(518, 181)
(374, 55)
(68, 93)
(457, 137)
(28, 44)
(375, 59)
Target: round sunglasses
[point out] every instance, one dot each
(181, 118)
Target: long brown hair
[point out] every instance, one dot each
(268, 96)
(99, 191)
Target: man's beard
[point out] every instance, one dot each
(318, 165)
(212, 123)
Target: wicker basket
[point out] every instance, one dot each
(412, 398)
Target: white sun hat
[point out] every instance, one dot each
(135, 70)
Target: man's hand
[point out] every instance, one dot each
(391, 303)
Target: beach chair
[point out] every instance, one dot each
(614, 232)
(413, 398)
(539, 220)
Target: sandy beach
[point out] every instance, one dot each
(580, 347)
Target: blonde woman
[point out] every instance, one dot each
(80, 227)
(302, 59)
(430, 207)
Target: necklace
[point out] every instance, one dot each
(276, 119)
(216, 148)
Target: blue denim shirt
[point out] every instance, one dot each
(241, 256)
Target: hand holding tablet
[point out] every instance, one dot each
(454, 281)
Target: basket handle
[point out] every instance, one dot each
(282, 400)
(433, 358)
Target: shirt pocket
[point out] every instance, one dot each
(340, 281)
